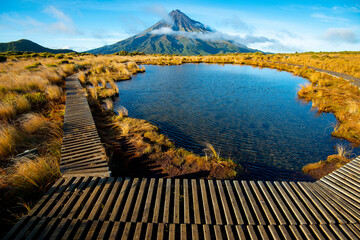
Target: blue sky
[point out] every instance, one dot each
(276, 26)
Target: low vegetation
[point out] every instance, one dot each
(31, 116)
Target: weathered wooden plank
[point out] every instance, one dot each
(317, 232)
(244, 204)
(149, 197)
(216, 207)
(59, 230)
(139, 200)
(138, 231)
(166, 211)
(160, 232)
(285, 233)
(99, 204)
(281, 203)
(229, 232)
(240, 232)
(262, 203)
(194, 232)
(183, 232)
(273, 232)
(195, 201)
(186, 201)
(176, 218)
(130, 200)
(207, 233)
(158, 201)
(106, 210)
(126, 233)
(172, 232)
(252, 233)
(217, 231)
(224, 203)
(206, 208)
(234, 204)
(263, 233)
(104, 231)
(120, 200)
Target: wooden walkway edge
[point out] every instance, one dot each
(87, 203)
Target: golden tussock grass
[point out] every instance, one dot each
(108, 104)
(9, 136)
(32, 122)
(34, 175)
(53, 92)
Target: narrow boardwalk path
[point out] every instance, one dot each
(88, 204)
(82, 152)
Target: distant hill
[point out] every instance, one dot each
(177, 34)
(27, 45)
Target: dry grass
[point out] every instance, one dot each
(108, 104)
(9, 136)
(7, 111)
(342, 150)
(34, 175)
(53, 92)
(210, 151)
(122, 111)
(31, 123)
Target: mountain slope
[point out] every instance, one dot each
(177, 34)
(27, 45)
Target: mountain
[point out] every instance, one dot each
(176, 34)
(27, 45)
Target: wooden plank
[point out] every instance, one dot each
(167, 201)
(340, 186)
(183, 233)
(48, 229)
(93, 229)
(229, 232)
(82, 230)
(15, 229)
(279, 217)
(240, 232)
(38, 228)
(186, 201)
(107, 209)
(149, 197)
(314, 210)
(26, 229)
(327, 231)
(295, 231)
(354, 229)
(338, 232)
(234, 204)
(60, 229)
(126, 232)
(160, 232)
(285, 233)
(330, 199)
(322, 202)
(217, 231)
(172, 232)
(149, 231)
(206, 208)
(348, 232)
(263, 232)
(281, 203)
(252, 233)
(50, 202)
(99, 204)
(120, 200)
(90, 201)
(130, 200)
(224, 203)
(195, 201)
(216, 207)
(73, 226)
(194, 232)
(290, 203)
(176, 211)
(244, 205)
(114, 234)
(207, 233)
(104, 231)
(299, 204)
(137, 233)
(263, 203)
(273, 232)
(139, 200)
(158, 201)
(306, 231)
(316, 230)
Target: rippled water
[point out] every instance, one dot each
(249, 114)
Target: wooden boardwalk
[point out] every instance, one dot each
(82, 152)
(92, 205)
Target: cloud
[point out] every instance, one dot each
(237, 24)
(62, 24)
(340, 35)
(328, 19)
(215, 36)
(160, 11)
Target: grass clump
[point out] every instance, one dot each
(53, 92)
(32, 122)
(9, 136)
(33, 66)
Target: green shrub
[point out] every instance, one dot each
(32, 66)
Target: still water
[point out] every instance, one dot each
(249, 114)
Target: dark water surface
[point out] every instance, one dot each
(249, 114)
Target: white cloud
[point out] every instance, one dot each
(340, 35)
(328, 19)
(160, 10)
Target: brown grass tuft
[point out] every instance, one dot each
(53, 92)
(32, 122)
